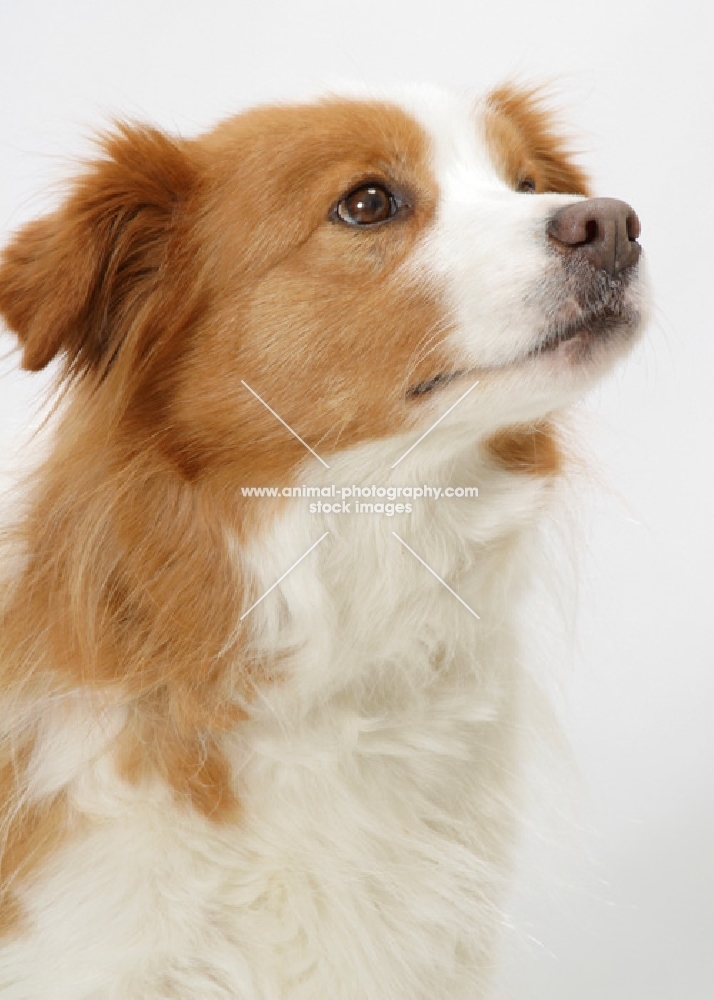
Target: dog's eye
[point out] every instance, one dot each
(367, 206)
(526, 185)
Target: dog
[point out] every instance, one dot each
(262, 656)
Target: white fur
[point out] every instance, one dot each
(379, 783)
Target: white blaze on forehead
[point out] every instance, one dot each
(452, 122)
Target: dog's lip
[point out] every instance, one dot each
(422, 388)
(590, 327)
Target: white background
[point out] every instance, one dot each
(631, 916)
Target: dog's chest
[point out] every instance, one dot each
(376, 846)
(366, 861)
(377, 803)
(370, 855)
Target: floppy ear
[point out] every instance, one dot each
(71, 282)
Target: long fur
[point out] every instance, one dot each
(206, 791)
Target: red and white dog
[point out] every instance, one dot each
(250, 751)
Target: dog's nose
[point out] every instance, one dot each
(602, 231)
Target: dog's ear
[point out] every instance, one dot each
(72, 282)
(532, 133)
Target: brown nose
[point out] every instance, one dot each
(602, 231)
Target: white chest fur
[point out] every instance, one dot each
(378, 787)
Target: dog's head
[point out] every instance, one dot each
(357, 263)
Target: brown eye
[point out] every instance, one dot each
(367, 205)
(527, 185)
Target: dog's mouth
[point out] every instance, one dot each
(593, 328)
(587, 331)
(443, 378)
